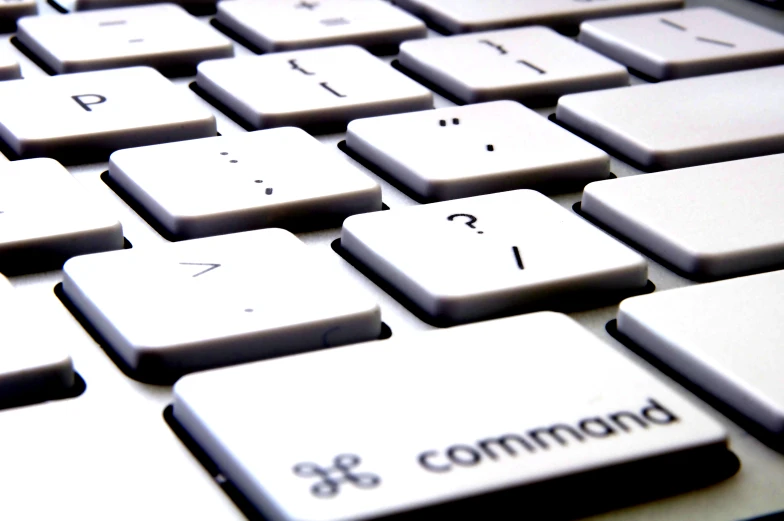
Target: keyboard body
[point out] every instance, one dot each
(109, 453)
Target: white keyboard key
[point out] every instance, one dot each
(278, 177)
(481, 15)
(88, 5)
(390, 444)
(684, 43)
(723, 336)
(96, 113)
(11, 10)
(273, 25)
(475, 149)
(228, 299)
(311, 87)
(32, 361)
(9, 68)
(44, 212)
(712, 221)
(163, 36)
(685, 122)
(511, 64)
(470, 259)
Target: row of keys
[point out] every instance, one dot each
(531, 62)
(500, 146)
(207, 302)
(104, 111)
(508, 64)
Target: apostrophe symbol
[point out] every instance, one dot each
(470, 222)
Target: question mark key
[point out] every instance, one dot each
(476, 258)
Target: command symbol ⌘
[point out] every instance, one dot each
(336, 475)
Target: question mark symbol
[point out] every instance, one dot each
(469, 223)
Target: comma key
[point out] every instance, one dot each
(90, 115)
(582, 429)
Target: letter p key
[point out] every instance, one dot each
(89, 99)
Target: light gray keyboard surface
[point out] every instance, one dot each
(109, 453)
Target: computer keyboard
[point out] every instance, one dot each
(612, 413)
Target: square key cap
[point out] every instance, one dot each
(332, 85)
(32, 359)
(711, 221)
(679, 44)
(520, 64)
(278, 177)
(471, 259)
(363, 432)
(475, 149)
(276, 25)
(685, 122)
(45, 214)
(725, 337)
(92, 114)
(163, 36)
(229, 299)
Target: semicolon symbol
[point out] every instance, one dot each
(212, 266)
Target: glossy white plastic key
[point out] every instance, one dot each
(516, 64)
(89, 5)
(32, 359)
(44, 209)
(481, 15)
(475, 149)
(96, 113)
(311, 87)
(678, 44)
(163, 36)
(715, 220)
(474, 258)
(228, 299)
(685, 122)
(387, 443)
(11, 10)
(723, 336)
(9, 68)
(275, 25)
(277, 177)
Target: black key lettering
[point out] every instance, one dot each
(85, 100)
